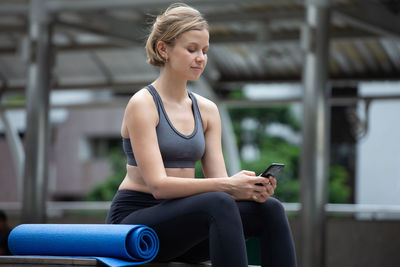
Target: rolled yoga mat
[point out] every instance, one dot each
(114, 245)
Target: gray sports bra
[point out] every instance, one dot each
(177, 150)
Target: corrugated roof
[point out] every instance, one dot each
(101, 43)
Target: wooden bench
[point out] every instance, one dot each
(19, 261)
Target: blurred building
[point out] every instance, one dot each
(81, 140)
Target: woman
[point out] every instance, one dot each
(165, 130)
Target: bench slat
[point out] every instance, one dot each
(43, 261)
(38, 261)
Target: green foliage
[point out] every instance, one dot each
(14, 100)
(338, 191)
(198, 170)
(265, 116)
(253, 251)
(236, 94)
(106, 190)
(275, 149)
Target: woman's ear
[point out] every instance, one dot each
(162, 49)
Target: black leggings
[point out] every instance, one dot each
(209, 226)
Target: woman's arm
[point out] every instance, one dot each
(213, 163)
(213, 160)
(141, 120)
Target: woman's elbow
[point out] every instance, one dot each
(157, 194)
(157, 191)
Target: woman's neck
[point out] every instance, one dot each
(170, 87)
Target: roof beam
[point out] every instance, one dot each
(372, 17)
(121, 31)
(117, 86)
(89, 5)
(224, 82)
(216, 38)
(14, 9)
(56, 6)
(245, 15)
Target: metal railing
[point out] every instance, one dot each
(377, 211)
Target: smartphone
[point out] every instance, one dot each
(273, 170)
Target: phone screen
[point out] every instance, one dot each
(273, 170)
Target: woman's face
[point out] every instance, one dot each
(187, 58)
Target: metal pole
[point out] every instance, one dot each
(315, 131)
(37, 107)
(16, 149)
(228, 136)
(229, 141)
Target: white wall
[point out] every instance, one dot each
(378, 153)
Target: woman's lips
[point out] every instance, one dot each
(197, 68)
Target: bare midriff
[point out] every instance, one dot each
(134, 179)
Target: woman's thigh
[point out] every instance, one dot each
(258, 217)
(269, 222)
(182, 224)
(256, 220)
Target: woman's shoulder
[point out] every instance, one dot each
(141, 98)
(141, 101)
(205, 104)
(209, 112)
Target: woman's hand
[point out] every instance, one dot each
(271, 185)
(269, 188)
(245, 185)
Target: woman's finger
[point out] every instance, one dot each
(273, 181)
(262, 198)
(270, 189)
(260, 180)
(250, 173)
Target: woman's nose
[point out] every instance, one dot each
(200, 57)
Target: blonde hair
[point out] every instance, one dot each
(176, 19)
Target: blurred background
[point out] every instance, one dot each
(291, 78)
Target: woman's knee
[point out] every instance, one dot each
(220, 202)
(273, 205)
(220, 196)
(221, 199)
(224, 215)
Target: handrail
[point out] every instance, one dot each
(330, 208)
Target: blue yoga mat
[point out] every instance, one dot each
(115, 245)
